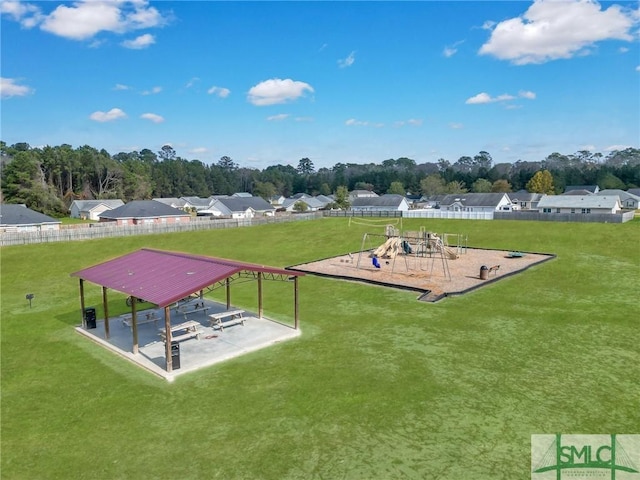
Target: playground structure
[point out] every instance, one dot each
(412, 245)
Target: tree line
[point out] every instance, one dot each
(48, 179)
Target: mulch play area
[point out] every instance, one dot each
(435, 276)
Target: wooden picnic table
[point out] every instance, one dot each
(189, 327)
(141, 318)
(226, 319)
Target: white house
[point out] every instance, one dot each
(477, 202)
(580, 204)
(361, 194)
(384, 203)
(91, 209)
(627, 200)
(525, 200)
(241, 207)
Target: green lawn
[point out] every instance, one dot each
(379, 386)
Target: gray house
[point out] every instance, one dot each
(240, 207)
(628, 200)
(19, 218)
(525, 200)
(143, 212)
(91, 209)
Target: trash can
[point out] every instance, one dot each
(484, 272)
(175, 355)
(90, 317)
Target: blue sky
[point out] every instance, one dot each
(353, 82)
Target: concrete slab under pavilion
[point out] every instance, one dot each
(214, 345)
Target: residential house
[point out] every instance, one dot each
(628, 200)
(384, 203)
(312, 203)
(19, 218)
(91, 209)
(142, 212)
(179, 203)
(241, 207)
(589, 188)
(361, 194)
(580, 204)
(242, 194)
(634, 191)
(525, 200)
(477, 202)
(197, 203)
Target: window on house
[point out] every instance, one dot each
(573, 210)
(586, 210)
(546, 210)
(557, 210)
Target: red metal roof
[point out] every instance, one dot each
(163, 278)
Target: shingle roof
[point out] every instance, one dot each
(473, 199)
(142, 209)
(13, 214)
(163, 278)
(178, 202)
(579, 201)
(387, 200)
(242, 204)
(588, 188)
(524, 196)
(84, 205)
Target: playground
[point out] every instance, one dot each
(434, 265)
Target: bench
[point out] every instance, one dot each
(141, 318)
(226, 319)
(494, 269)
(190, 328)
(197, 307)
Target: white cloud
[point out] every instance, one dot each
(276, 91)
(198, 150)
(617, 148)
(278, 118)
(484, 97)
(9, 88)
(638, 68)
(153, 117)
(552, 30)
(120, 87)
(456, 126)
(192, 82)
(357, 123)
(415, 122)
(28, 15)
(347, 62)
(450, 51)
(219, 92)
(153, 91)
(83, 19)
(113, 114)
(138, 43)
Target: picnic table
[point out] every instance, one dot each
(141, 318)
(189, 328)
(226, 319)
(190, 308)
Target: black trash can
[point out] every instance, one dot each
(90, 317)
(484, 272)
(175, 355)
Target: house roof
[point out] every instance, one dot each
(310, 201)
(85, 205)
(473, 199)
(387, 200)
(142, 209)
(578, 191)
(242, 204)
(163, 278)
(14, 215)
(620, 193)
(579, 201)
(524, 196)
(197, 201)
(588, 188)
(172, 201)
(242, 194)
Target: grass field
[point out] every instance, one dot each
(379, 386)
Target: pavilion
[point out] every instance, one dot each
(164, 278)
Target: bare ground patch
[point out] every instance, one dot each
(433, 276)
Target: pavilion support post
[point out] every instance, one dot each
(167, 336)
(228, 285)
(134, 324)
(260, 309)
(295, 303)
(105, 307)
(84, 322)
